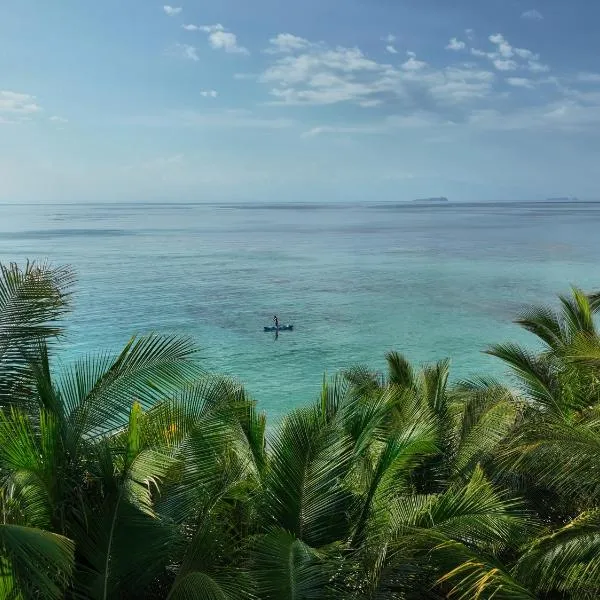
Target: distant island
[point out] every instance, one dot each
(563, 199)
(439, 199)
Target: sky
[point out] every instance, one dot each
(319, 100)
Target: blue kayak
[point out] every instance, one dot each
(281, 328)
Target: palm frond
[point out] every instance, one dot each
(577, 313)
(401, 453)
(201, 586)
(285, 568)
(34, 562)
(434, 379)
(32, 302)
(400, 371)
(537, 375)
(543, 322)
(567, 560)
(472, 576)
(148, 370)
(559, 453)
(594, 300)
(485, 416)
(479, 512)
(304, 490)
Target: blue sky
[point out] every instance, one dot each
(317, 100)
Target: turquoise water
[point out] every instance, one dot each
(356, 280)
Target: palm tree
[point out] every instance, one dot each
(32, 302)
(141, 476)
(555, 450)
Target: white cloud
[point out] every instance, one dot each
(412, 64)
(505, 58)
(171, 11)
(18, 104)
(209, 93)
(185, 51)
(286, 42)
(564, 116)
(505, 65)
(504, 48)
(532, 15)
(209, 119)
(470, 33)
(343, 130)
(57, 119)
(370, 103)
(191, 27)
(588, 77)
(520, 82)
(527, 54)
(388, 126)
(389, 48)
(389, 39)
(537, 67)
(456, 45)
(319, 74)
(220, 39)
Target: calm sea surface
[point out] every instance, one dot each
(356, 280)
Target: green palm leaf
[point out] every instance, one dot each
(200, 586)
(537, 375)
(304, 487)
(32, 302)
(567, 560)
(285, 568)
(33, 562)
(148, 370)
(545, 324)
(400, 371)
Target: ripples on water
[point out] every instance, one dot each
(356, 280)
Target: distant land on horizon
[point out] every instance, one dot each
(432, 199)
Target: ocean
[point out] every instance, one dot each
(431, 281)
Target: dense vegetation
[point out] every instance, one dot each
(141, 476)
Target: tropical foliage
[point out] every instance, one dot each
(142, 476)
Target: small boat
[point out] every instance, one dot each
(280, 328)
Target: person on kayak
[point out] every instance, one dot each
(276, 321)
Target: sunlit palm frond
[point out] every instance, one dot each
(434, 380)
(334, 393)
(577, 313)
(391, 473)
(477, 513)
(537, 375)
(594, 300)
(119, 531)
(474, 576)
(485, 415)
(148, 370)
(566, 561)
(585, 351)
(304, 486)
(30, 460)
(451, 539)
(559, 453)
(546, 324)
